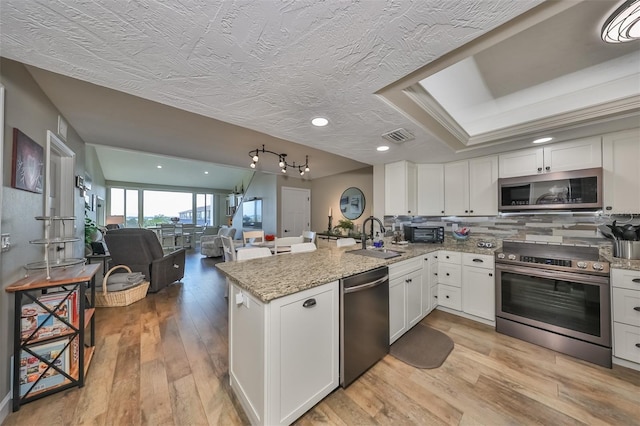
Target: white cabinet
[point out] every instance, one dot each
(400, 188)
(558, 157)
(430, 189)
(450, 279)
(621, 172)
(405, 296)
(471, 187)
(625, 285)
(429, 283)
(478, 285)
(283, 355)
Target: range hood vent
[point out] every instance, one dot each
(398, 136)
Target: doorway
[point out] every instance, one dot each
(296, 211)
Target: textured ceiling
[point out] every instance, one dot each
(269, 66)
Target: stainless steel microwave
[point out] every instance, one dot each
(572, 190)
(424, 234)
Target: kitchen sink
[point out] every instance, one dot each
(380, 253)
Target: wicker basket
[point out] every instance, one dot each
(126, 297)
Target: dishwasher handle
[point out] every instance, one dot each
(366, 285)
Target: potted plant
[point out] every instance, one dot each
(345, 226)
(90, 231)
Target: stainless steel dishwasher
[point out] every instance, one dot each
(364, 322)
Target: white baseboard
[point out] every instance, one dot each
(5, 407)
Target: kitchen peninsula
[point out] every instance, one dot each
(283, 322)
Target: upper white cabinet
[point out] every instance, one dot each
(621, 172)
(400, 188)
(430, 189)
(471, 187)
(558, 157)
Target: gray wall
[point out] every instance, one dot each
(326, 192)
(28, 109)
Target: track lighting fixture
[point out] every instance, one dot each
(282, 161)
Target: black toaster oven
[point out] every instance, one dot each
(424, 234)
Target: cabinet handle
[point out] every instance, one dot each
(309, 303)
(442, 211)
(470, 211)
(637, 345)
(436, 296)
(447, 257)
(608, 208)
(478, 260)
(435, 257)
(408, 280)
(447, 296)
(447, 274)
(539, 169)
(547, 168)
(636, 280)
(435, 273)
(637, 308)
(466, 211)
(490, 274)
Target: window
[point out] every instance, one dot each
(252, 214)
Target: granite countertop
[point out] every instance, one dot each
(277, 276)
(606, 252)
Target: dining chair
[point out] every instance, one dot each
(228, 248)
(229, 251)
(246, 253)
(187, 234)
(249, 237)
(303, 247)
(345, 242)
(284, 244)
(309, 236)
(168, 236)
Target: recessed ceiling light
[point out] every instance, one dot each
(623, 24)
(382, 148)
(159, 166)
(319, 121)
(542, 140)
(206, 173)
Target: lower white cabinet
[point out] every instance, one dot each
(283, 355)
(450, 279)
(429, 283)
(405, 296)
(478, 286)
(625, 305)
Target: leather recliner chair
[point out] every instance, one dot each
(141, 251)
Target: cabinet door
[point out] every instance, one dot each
(478, 292)
(430, 189)
(621, 172)
(305, 350)
(574, 155)
(456, 188)
(427, 282)
(397, 312)
(413, 282)
(400, 188)
(483, 186)
(521, 163)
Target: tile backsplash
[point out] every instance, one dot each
(572, 227)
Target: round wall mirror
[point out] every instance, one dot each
(352, 203)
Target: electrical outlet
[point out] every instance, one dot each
(6, 242)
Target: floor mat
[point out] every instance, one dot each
(422, 347)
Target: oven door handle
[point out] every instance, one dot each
(555, 275)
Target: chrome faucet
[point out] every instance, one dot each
(364, 228)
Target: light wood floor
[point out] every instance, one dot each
(163, 361)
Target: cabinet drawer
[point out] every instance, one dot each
(450, 297)
(624, 278)
(449, 274)
(626, 306)
(404, 267)
(478, 260)
(626, 342)
(449, 257)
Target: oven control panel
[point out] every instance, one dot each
(556, 263)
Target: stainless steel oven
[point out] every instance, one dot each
(555, 296)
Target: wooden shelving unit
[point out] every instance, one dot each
(40, 353)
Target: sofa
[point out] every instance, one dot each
(211, 245)
(141, 251)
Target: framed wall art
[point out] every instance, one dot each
(27, 169)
